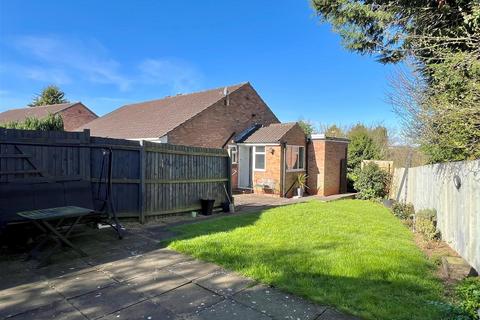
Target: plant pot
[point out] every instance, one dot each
(387, 203)
(207, 206)
(300, 192)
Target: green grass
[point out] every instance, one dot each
(351, 254)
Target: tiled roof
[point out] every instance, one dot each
(33, 112)
(154, 119)
(269, 134)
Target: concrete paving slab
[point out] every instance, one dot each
(224, 283)
(193, 269)
(26, 297)
(75, 285)
(142, 264)
(331, 314)
(187, 299)
(11, 279)
(230, 310)
(107, 300)
(107, 256)
(160, 258)
(61, 310)
(157, 282)
(278, 304)
(123, 269)
(68, 265)
(146, 310)
(15, 272)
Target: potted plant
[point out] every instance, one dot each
(301, 184)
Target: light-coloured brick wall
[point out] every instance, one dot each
(76, 116)
(324, 166)
(212, 127)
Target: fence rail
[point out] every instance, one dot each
(148, 178)
(458, 209)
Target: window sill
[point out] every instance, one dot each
(259, 170)
(295, 170)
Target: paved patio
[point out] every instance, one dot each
(255, 201)
(134, 278)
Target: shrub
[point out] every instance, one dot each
(430, 214)
(52, 122)
(468, 295)
(372, 182)
(426, 224)
(403, 210)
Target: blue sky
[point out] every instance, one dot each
(110, 53)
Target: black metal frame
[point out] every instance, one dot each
(108, 208)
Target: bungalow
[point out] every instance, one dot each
(267, 156)
(204, 119)
(73, 114)
(269, 159)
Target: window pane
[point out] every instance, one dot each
(289, 160)
(295, 157)
(259, 161)
(259, 149)
(301, 157)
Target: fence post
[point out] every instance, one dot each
(229, 177)
(141, 189)
(85, 152)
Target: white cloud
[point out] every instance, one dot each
(53, 75)
(52, 59)
(179, 75)
(82, 59)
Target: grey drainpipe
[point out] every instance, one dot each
(283, 164)
(307, 139)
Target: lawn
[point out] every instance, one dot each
(351, 254)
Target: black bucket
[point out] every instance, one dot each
(207, 206)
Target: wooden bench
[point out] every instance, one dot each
(54, 207)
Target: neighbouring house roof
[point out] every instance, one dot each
(270, 134)
(154, 119)
(39, 112)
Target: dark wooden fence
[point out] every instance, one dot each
(148, 178)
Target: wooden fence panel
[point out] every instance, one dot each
(148, 178)
(177, 177)
(458, 210)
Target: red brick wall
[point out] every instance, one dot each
(76, 116)
(212, 127)
(316, 164)
(272, 171)
(324, 158)
(334, 153)
(296, 136)
(234, 176)
(274, 166)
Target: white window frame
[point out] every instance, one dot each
(255, 152)
(297, 148)
(233, 150)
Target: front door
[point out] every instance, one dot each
(244, 167)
